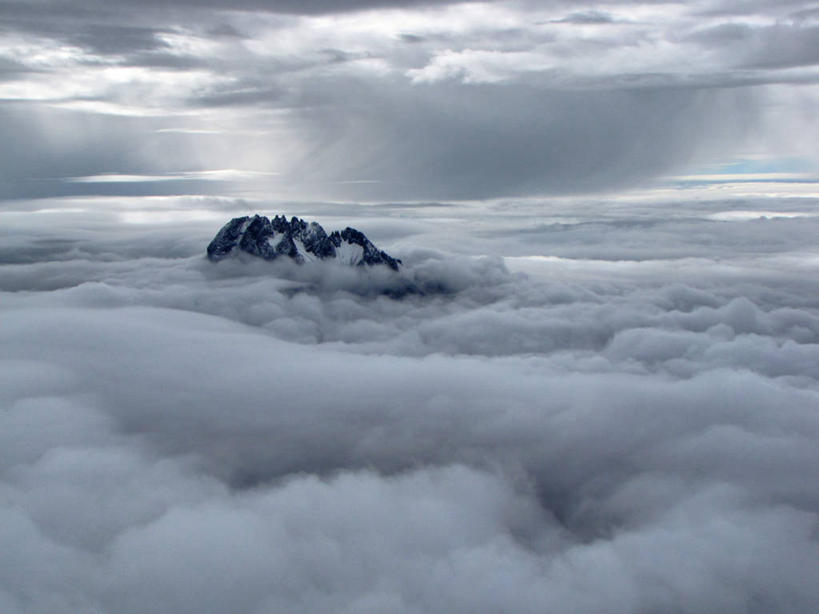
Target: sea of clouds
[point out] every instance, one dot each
(580, 407)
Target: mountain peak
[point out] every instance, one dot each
(296, 239)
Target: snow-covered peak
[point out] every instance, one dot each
(296, 239)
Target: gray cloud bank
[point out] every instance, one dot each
(371, 100)
(629, 427)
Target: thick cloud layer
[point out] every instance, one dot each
(607, 407)
(396, 99)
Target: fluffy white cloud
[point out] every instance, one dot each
(600, 434)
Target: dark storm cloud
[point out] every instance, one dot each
(12, 69)
(587, 17)
(779, 46)
(89, 8)
(806, 15)
(303, 7)
(488, 99)
(98, 32)
(412, 38)
(449, 141)
(117, 39)
(244, 93)
(751, 7)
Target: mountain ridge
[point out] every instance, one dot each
(297, 239)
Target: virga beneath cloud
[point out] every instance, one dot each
(398, 100)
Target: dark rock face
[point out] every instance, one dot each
(226, 239)
(298, 240)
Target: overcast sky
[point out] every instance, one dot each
(371, 99)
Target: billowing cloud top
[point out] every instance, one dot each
(631, 426)
(380, 99)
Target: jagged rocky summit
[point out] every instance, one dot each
(298, 240)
